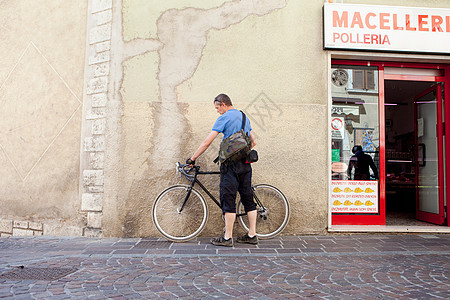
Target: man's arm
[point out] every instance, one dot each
(253, 139)
(205, 144)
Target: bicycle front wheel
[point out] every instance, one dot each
(175, 225)
(273, 211)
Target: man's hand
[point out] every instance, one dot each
(190, 162)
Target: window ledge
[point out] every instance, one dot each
(362, 91)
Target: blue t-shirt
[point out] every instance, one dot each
(231, 122)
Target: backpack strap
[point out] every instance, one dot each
(243, 119)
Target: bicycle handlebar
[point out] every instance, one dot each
(185, 169)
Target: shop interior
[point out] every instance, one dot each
(400, 151)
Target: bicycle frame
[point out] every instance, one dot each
(195, 180)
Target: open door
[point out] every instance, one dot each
(429, 156)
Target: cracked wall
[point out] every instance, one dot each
(268, 56)
(187, 55)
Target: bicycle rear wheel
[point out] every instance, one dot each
(179, 226)
(273, 211)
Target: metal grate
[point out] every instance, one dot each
(153, 244)
(25, 273)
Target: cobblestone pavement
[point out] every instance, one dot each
(331, 267)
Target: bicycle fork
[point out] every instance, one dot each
(189, 190)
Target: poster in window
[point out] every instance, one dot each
(364, 137)
(354, 196)
(335, 155)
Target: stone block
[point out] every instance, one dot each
(97, 85)
(96, 160)
(100, 34)
(93, 177)
(94, 219)
(91, 202)
(94, 115)
(99, 58)
(62, 229)
(20, 224)
(99, 126)
(3, 234)
(99, 100)
(99, 111)
(104, 17)
(100, 5)
(22, 232)
(35, 226)
(94, 143)
(100, 69)
(95, 189)
(103, 46)
(92, 232)
(6, 226)
(38, 233)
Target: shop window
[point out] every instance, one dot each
(355, 139)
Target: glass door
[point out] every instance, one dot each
(429, 156)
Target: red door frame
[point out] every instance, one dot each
(447, 140)
(421, 215)
(380, 218)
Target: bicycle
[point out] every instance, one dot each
(180, 212)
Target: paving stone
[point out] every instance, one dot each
(330, 267)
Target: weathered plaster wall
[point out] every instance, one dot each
(42, 46)
(177, 59)
(273, 73)
(267, 55)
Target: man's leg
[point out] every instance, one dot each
(250, 237)
(228, 189)
(252, 215)
(229, 224)
(246, 192)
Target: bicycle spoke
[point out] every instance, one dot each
(276, 210)
(175, 225)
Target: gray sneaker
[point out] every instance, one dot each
(247, 240)
(221, 241)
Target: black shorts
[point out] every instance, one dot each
(236, 177)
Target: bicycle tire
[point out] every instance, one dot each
(277, 207)
(175, 226)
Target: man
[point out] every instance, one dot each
(235, 175)
(361, 162)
